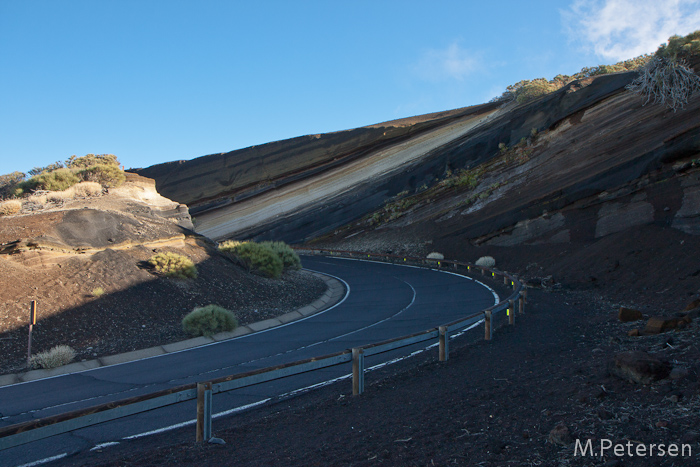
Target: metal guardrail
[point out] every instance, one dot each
(22, 433)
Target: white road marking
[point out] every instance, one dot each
(263, 401)
(104, 445)
(192, 422)
(496, 298)
(44, 461)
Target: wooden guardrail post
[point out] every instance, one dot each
(487, 325)
(444, 343)
(358, 371)
(32, 322)
(204, 401)
(523, 296)
(505, 280)
(511, 311)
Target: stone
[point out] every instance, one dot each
(217, 441)
(692, 305)
(690, 437)
(560, 435)
(678, 373)
(692, 314)
(633, 332)
(628, 314)
(658, 325)
(639, 367)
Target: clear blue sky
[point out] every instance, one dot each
(155, 81)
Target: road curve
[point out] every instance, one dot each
(384, 301)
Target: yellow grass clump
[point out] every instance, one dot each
(7, 208)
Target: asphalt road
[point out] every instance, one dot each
(384, 301)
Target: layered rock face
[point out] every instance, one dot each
(131, 215)
(254, 191)
(601, 163)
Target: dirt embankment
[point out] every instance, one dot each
(85, 263)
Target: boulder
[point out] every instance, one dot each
(639, 367)
(692, 305)
(628, 314)
(657, 325)
(690, 314)
(560, 435)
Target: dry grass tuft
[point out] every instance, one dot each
(57, 356)
(8, 208)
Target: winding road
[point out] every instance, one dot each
(382, 301)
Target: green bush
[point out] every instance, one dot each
(57, 356)
(534, 89)
(90, 160)
(290, 258)
(57, 180)
(9, 182)
(680, 47)
(104, 174)
(209, 320)
(256, 257)
(173, 265)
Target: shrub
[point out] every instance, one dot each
(256, 257)
(8, 182)
(486, 262)
(90, 160)
(58, 180)
(105, 174)
(680, 47)
(49, 168)
(57, 356)
(173, 265)
(86, 189)
(208, 320)
(526, 90)
(290, 258)
(668, 81)
(536, 88)
(7, 208)
(435, 255)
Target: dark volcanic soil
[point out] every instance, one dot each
(138, 308)
(491, 404)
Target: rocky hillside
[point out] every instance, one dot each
(589, 185)
(588, 148)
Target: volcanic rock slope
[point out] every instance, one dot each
(582, 163)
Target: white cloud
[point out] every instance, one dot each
(451, 63)
(621, 29)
